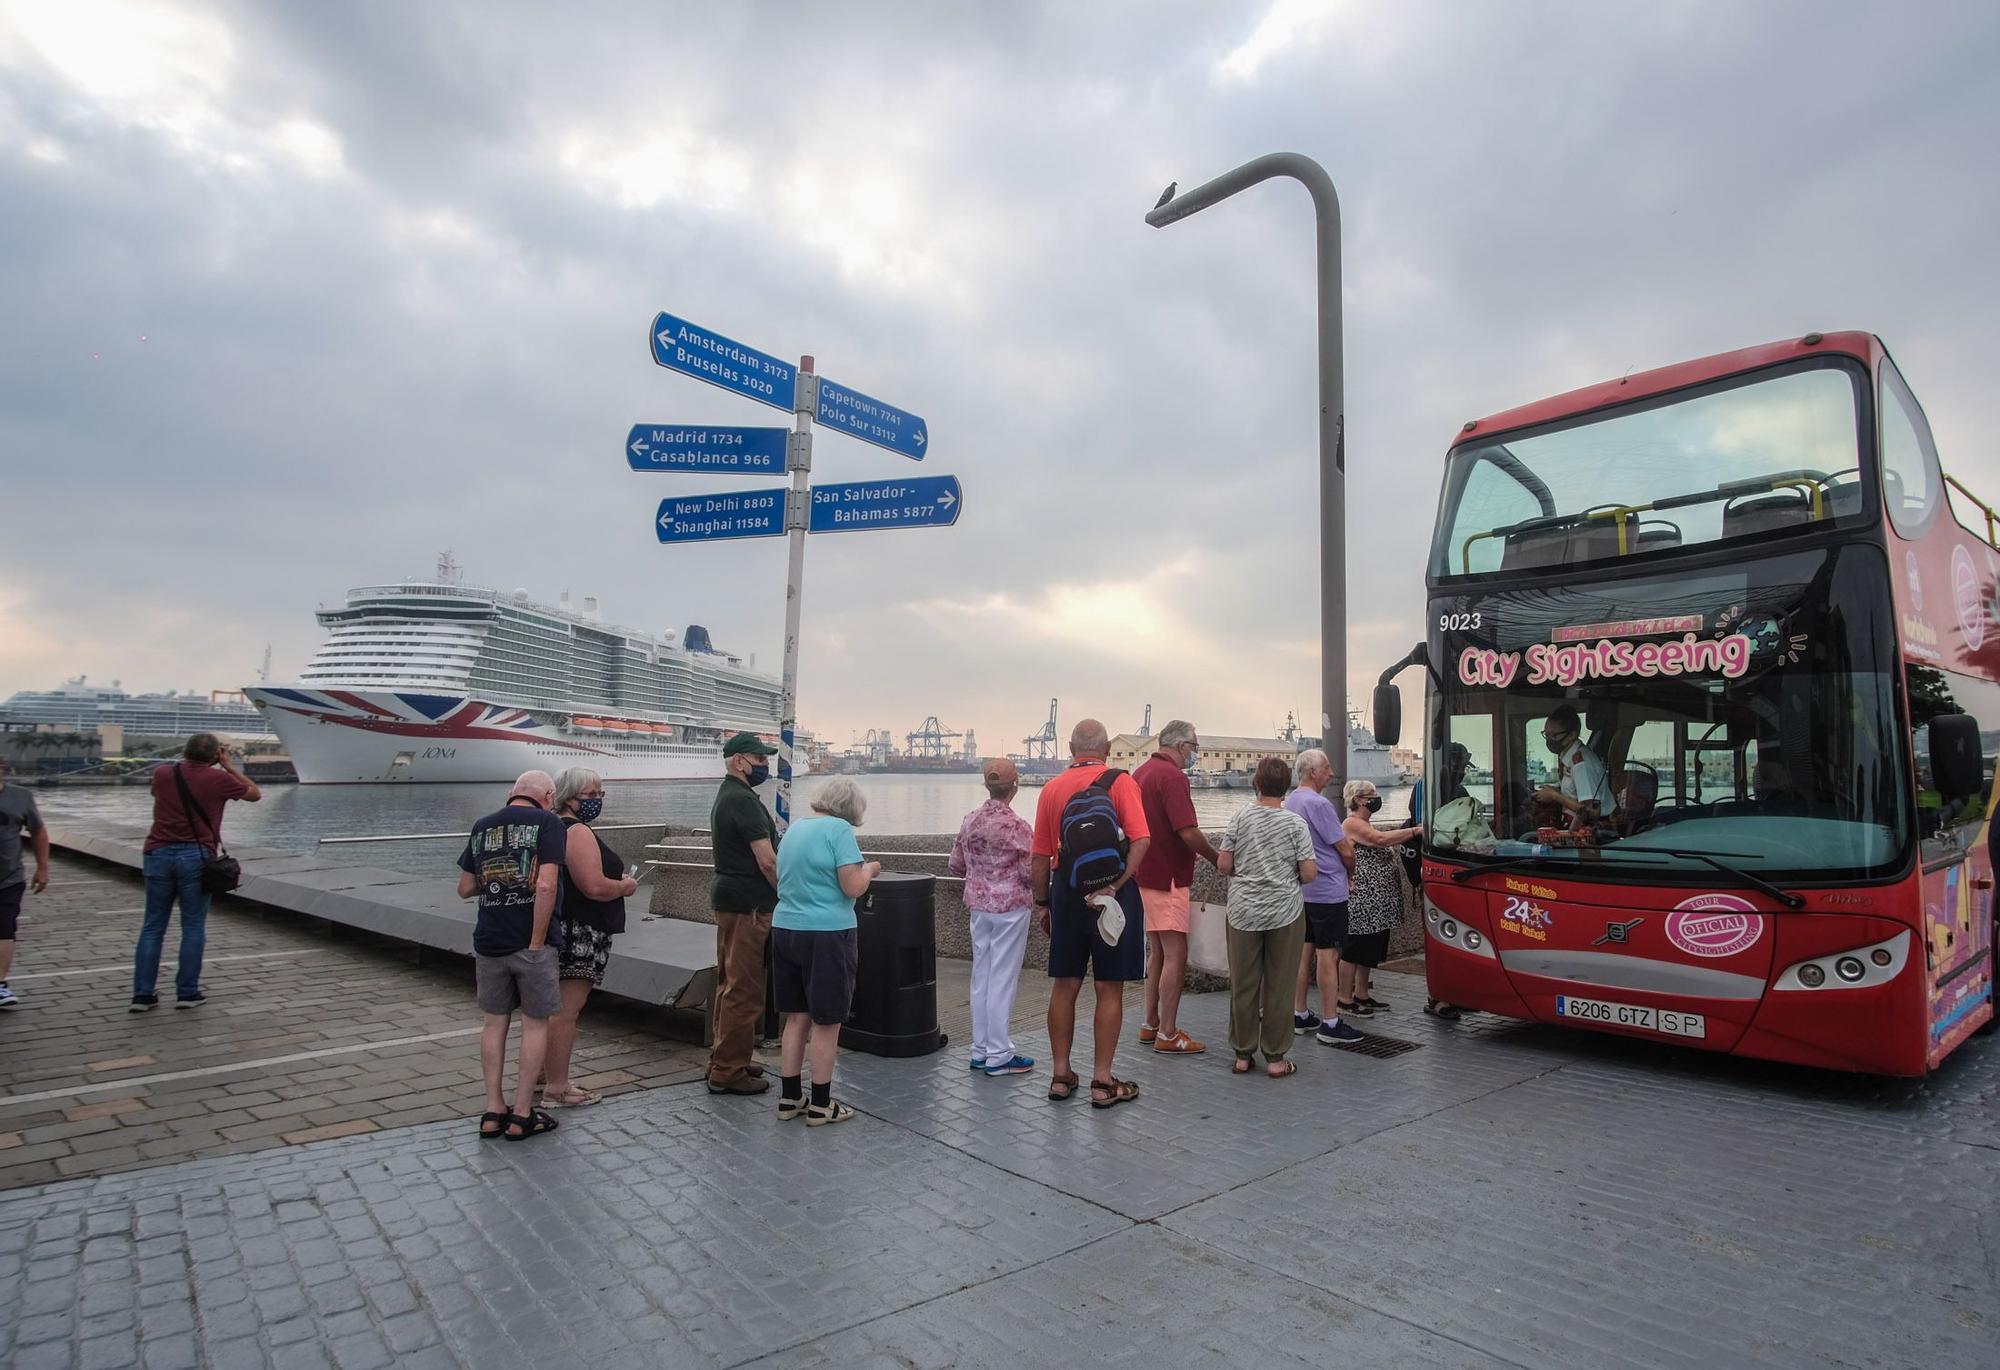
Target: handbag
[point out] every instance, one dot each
(220, 872)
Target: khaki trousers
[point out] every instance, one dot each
(739, 991)
(1263, 968)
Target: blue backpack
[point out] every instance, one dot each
(1091, 853)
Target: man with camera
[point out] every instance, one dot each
(188, 798)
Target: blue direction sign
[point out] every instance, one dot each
(870, 420)
(704, 518)
(722, 361)
(922, 502)
(700, 447)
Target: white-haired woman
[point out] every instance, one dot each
(820, 875)
(593, 912)
(1375, 900)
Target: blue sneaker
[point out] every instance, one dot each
(1335, 1033)
(1020, 1065)
(979, 1063)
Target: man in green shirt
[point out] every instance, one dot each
(743, 894)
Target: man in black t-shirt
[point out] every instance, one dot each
(513, 864)
(743, 892)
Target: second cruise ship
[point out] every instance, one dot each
(438, 681)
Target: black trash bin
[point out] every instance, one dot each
(895, 978)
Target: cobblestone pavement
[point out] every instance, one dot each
(1499, 1195)
(307, 1035)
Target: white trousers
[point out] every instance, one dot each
(999, 945)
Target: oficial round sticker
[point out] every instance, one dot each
(1714, 925)
(1967, 598)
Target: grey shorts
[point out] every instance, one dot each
(525, 980)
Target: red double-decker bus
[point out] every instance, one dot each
(1711, 717)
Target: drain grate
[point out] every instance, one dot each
(1380, 1046)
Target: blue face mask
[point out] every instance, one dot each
(759, 773)
(588, 809)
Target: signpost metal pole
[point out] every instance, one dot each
(1332, 419)
(798, 516)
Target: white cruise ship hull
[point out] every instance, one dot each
(364, 737)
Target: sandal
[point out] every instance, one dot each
(834, 1112)
(1115, 1090)
(1437, 1008)
(501, 1118)
(535, 1123)
(1242, 1064)
(1063, 1086)
(573, 1097)
(1280, 1068)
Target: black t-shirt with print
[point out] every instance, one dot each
(505, 854)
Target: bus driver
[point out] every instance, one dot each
(1580, 776)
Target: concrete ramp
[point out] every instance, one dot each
(666, 962)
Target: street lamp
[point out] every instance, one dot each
(1332, 417)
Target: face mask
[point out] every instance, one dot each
(759, 773)
(1373, 805)
(1554, 744)
(1193, 757)
(588, 809)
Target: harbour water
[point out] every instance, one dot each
(296, 817)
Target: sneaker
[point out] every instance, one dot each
(1373, 1005)
(1303, 1023)
(979, 1063)
(1178, 1044)
(1358, 1009)
(1337, 1034)
(195, 1000)
(144, 1003)
(8, 999)
(1019, 1065)
(1148, 1034)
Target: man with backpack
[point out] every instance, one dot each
(1090, 836)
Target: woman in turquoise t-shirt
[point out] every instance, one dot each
(820, 875)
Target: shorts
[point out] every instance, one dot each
(524, 980)
(1075, 947)
(10, 910)
(813, 972)
(1166, 910)
(584, 955)
(1326, 925)
(1368, 949)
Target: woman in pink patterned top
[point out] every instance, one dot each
(991, 852)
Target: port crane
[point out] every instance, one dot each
(1042, 745)
(879, 746)
(930, 739)
(1146, 728)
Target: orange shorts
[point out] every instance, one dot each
(1166, 910)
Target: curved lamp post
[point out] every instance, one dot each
(1332, 417)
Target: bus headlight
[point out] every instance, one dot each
(1876, 964)
(1448, 929)
(1472, 939)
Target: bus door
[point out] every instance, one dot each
(1585, 939)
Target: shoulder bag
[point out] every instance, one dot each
(220, 872)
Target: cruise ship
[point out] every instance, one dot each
(78, 706)
(435, 681)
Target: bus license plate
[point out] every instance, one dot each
(1670, 1021)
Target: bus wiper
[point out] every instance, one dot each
(1737, 873)
(1512, 863)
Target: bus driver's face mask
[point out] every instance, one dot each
(1555, 742)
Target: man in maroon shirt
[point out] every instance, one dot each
(175, 848)
(1164, 880)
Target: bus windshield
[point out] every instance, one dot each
(1748, 457)
(1728, 724)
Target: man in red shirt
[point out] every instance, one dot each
(1071, 922)
(1164, 881)
(175, 848)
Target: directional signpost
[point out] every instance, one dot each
(870, 420)
(707, 518)
(921, 502)
(926, 502)
(702, 448)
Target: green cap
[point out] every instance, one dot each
(748, 742)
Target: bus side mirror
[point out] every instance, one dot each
(1957, 767)
(1389, 715)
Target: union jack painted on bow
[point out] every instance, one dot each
(438, 717)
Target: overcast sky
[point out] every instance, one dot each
(297, 295)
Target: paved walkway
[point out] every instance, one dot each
(1491, 1195)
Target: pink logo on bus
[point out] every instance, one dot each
(1715, 925)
